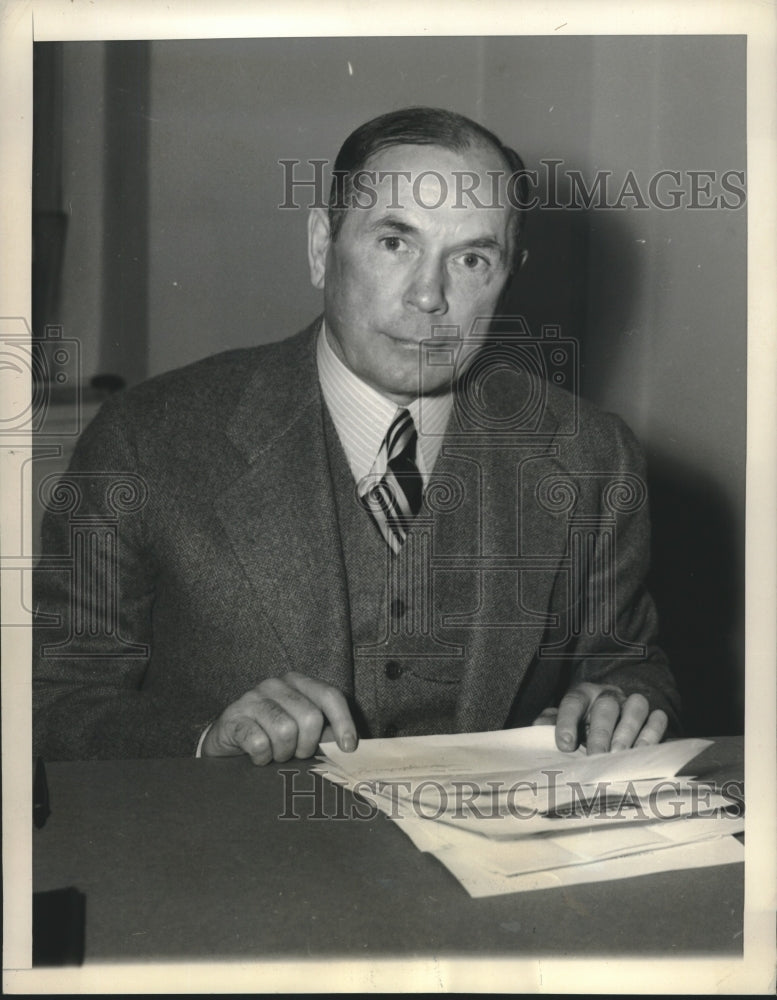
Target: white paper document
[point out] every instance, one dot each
(508, 812)
(480, 882)
(521, 753)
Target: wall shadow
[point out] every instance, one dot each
(697, 580)
(582, 274)
(552, 287)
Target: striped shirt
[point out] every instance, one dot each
(362, 416)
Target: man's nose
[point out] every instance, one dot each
(426, 291)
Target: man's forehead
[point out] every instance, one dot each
(421, 166)
(410, 156)
(408, 179)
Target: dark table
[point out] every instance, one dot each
(192, 858)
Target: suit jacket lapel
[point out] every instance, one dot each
(280, 514)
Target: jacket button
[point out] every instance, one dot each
(390, 730)
(393, 670)
(398, 608)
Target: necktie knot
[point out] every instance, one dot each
(396, 499)
(401, 437)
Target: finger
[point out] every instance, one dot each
(571, 711)
(253, 740)
(602, 718)
(308, 718)
(279, 725)
(547, 717)
(237, 733)
(633, 714)
(653, 731)
(332, 703)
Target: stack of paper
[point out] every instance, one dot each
(508, 812)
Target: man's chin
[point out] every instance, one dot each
(409, 389)
(403, 377)
(435, 389)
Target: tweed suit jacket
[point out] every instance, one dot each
(212, 487)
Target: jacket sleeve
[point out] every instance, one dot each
(93, 599)
(611, 622)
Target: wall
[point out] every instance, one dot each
(656, 298)
(83, 98)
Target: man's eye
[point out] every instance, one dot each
(392, 242)
(473, 261)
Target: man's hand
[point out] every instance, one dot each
(281, 718)
(610, 720)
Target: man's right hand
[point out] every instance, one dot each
(281, 718)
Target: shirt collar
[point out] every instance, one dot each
(362, 415)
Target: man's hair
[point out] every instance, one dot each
(417, 126)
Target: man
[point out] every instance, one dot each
(366, 529)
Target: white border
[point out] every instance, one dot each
(48, 20)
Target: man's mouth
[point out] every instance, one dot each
(411, 343)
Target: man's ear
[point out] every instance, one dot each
(318, 245)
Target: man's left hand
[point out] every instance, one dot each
(608, 719)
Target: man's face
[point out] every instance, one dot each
(406, 264)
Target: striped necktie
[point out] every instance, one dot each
(396, 499)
